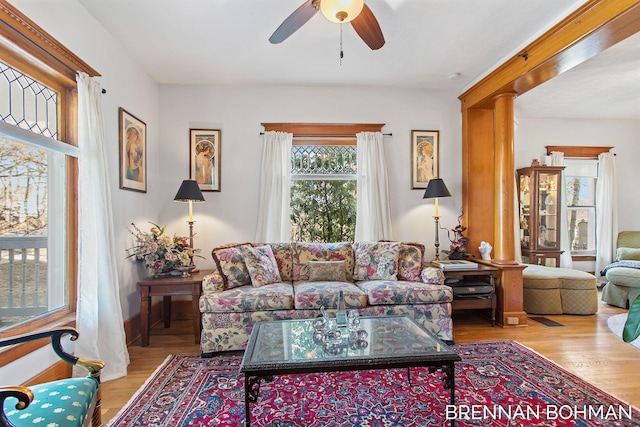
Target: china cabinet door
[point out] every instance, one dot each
(540, 193)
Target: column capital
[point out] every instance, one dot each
(511, 95)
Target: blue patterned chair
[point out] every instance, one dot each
(68, 402)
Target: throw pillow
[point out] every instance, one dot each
(230, 262)
(376, 260)
(262, 265)
(410, 261)
(329, 271)
(628, 254)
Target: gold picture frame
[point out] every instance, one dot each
(133, 152)
(425, 146)
(204, 158)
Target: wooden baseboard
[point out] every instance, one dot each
(57, 371)
(180, 309)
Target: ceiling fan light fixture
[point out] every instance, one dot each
(340, 11)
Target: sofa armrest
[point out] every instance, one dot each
(432, 275)
(212, 283)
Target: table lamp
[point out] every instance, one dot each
(189, 192)
(435, 189)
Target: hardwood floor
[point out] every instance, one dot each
(584, 345)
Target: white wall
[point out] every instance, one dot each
(231, 215)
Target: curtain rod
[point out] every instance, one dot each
(327, 135)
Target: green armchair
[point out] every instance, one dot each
(68, 402)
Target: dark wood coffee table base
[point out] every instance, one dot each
(252, 382)
(395, 342)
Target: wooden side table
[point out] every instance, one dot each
(167, 287)
(485, 271)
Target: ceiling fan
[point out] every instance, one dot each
(339, 11)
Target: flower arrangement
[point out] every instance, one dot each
(459, 243)
(160, 252)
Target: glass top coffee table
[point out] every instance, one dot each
(296, 346)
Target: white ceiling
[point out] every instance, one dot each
(225, 42)
(605, 87)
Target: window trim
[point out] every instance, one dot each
(578, 151)
(31, 50)
(323, 129)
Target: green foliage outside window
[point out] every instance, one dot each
(323, 210)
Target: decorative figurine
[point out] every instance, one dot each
(485, 251)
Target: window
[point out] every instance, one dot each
(323, 190)
(581, 176)
(33, 217)
(323, 175)
(37, 111)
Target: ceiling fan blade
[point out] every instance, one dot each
(296, 20)
(367, 27)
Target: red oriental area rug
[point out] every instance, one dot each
(498, 383)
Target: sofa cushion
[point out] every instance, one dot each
(283, 256)
(432, 276)
(230, 262)
(304, 252)
(329, 271)
(628, 254)
(376, 260)
(274, 296)
(313, 295)
(624, 276)
(410, 261)
(390, 292)
(261, 264)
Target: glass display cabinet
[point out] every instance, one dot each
(539, 194)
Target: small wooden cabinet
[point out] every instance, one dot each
(540, 195)
(483, 273)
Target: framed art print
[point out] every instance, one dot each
(133, 152)
(204, 158)
(424, 157)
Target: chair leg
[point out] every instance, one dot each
(96, 417)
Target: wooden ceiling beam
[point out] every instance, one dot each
(594, 27)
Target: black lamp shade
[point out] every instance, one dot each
(436, 188)
(189, 192)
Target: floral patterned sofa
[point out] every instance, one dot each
(264, 282)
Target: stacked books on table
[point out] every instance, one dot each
(454, 264)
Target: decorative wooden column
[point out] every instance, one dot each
(504, 180)
(488, 182)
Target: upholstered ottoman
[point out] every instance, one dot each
(549, 290)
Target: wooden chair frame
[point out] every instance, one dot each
(24, 394)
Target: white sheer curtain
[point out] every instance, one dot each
(566, 261)
(373, 220)
(99, 313)
(275, 188)
(606, 211)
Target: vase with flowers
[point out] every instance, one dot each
(160, 252)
